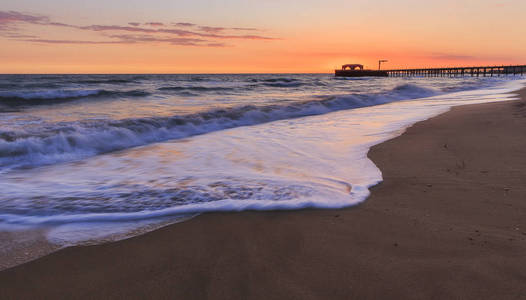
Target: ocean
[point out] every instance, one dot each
(95, 156)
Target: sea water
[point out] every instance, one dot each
(92, 156)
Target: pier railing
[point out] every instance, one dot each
(486, 71)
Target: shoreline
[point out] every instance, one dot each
(447, 222)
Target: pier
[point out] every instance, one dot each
(357, 70)
(485, 71)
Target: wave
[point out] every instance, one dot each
(52, 96)
(102, 81)
(226, 205)
(75, 140)
(127, 203)
(284, 84)
(413, 90)
(281, 82)
(195, 88)
(25, 85)
(280, 79)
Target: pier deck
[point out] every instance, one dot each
(485, 71)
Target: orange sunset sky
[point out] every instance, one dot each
(235, 36)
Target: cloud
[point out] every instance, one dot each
(184, 24)
(211, 29)
(9, 20)
(178, 32)
(131, 39)
(249, 37)
(216, 45)
(244, 29)
(195, 35)
(7, 17)
(154, 24)
(60, 24)
(116, 28)
(45, 41)
(15, 35)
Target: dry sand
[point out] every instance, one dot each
(448, 222)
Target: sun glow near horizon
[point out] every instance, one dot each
(253, 37)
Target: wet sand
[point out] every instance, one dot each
(17, 247)
(448, 222)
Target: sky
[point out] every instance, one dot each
(248, 36)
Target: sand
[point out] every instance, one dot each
(448, 222)
(20, 246)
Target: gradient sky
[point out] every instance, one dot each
(239, 36)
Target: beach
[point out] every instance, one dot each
(447, 222)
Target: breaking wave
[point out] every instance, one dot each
(195, 88)
(59, 95)
(103, 81)
(74, 140)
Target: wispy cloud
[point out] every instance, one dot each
(181, 32)
(46, 41)
(151, 32)
(154, 24)
(184, 24)
(244, 29)
(15, 35)
(211, 29)
(7, 17)
(131, 39)
(9, 20)
(117, 28)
